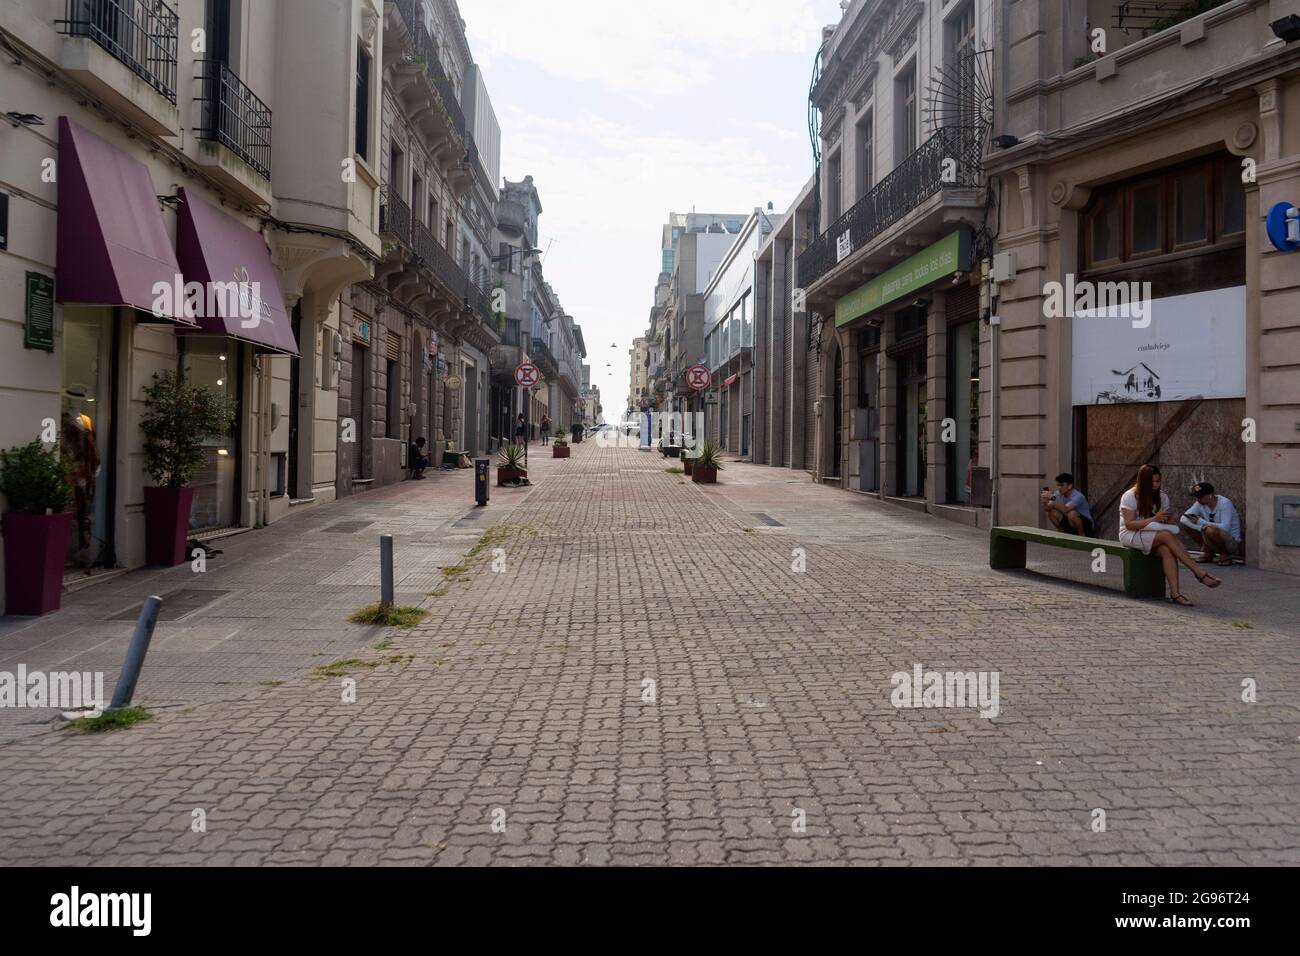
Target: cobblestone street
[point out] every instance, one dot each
(517, 725)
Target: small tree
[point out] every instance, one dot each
(34, 479)
(178, 416)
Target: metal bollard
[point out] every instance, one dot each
(482, 473)
(386, 570)
(126, 680)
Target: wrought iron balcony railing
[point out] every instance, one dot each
(408, 10)
(913, 181)
(232, 115)
(425, 53)
(394, 216)
(138, 33)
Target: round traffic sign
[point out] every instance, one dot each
(527, 375)
(698, 377)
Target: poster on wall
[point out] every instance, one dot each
(1194, 347)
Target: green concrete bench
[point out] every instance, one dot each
(1143, 574)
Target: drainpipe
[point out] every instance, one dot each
(995, 403)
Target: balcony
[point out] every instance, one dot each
(394, 217)
(234, 132)
(543, 358)
(915, 180)
(124, 51)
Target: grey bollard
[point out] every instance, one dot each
(386, 570)
(131, 668)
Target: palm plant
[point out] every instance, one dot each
(512, 457)
(710, 456)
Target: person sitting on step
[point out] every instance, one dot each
(1213, 523)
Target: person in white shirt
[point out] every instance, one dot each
(1144, 524)
(1213, 524)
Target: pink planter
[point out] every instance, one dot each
(35, 546)
(166, 525)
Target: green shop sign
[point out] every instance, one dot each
(945, 257)
(38, 326)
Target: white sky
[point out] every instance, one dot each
(624, 112)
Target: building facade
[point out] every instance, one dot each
(784, 350)
(733, 301)
(107, 203)
(1112, 182)
(904, 214)
(411, 336)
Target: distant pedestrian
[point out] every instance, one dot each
(546, 429)
(521, 430)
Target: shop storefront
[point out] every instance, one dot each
(234, 334)
(908, 357)
(112, 252)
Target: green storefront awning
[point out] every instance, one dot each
(947, 256)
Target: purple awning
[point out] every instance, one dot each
(234, 266)
(113, 248)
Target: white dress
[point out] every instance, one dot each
(1144, 539)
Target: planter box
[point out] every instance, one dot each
(507, 476)
(166, 525)
(704, 476)
(35, 546)
(561, 451)
(688, 465)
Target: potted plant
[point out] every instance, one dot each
(178, 417)
(36, 524)
(688, 464)
(707, 464)
(510, 466)
(560, 449)
(576, 429)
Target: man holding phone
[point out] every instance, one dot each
(1212, 522)
(1067, 509)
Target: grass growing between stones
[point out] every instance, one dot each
(493, 536)
(675, 471)
(344, 668)
(111, 720)
(405, 617)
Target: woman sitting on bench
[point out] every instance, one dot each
(1146, 524)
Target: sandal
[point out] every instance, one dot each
(1180, 600)
(1210, 581)
(1224, 562)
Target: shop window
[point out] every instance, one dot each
(1104, 232)
(963, 408)
(1192, 208)
(392, 399)
(1231, 199)
(1146, 219)
(214, 364)
(1196, 204)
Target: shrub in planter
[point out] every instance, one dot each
(560, 449)
(707, 464)
(178, 417)
(510, 466)
(36, 525)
